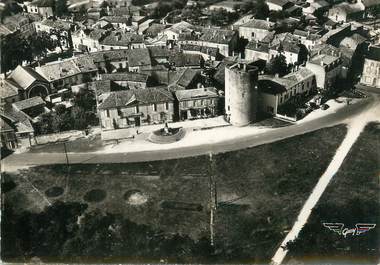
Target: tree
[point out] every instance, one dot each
(39, 44)
(14, 51)
(302, 54)
(61, 8)
(261, 9)
(277, 65)
(78, 116)
(10, 8)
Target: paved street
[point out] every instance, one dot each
(17, 161)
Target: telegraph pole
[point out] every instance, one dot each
(67, 158)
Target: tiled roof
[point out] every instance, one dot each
(61, 69)
(270, 87)
(119, 38)
(155, 29)
(183, 77)
(25, 76)
(325, 58)
(128, 76)
(259, 24)
(258, 46)
(8, 89)
(28, 103)
(18, 118)
(5, 125)
(117, 19)
(185, 59)
(58, 23)
(300, 75)
(136, 96)
(196, 93)
(203, 49)
(181, 27)
(104, 86)
(353, 41)
(157, 51)
(221, 36)
(139, 57)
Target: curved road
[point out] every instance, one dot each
(18, 161)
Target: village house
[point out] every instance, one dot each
(119, 22)
(186, 60)
(315, 6)
(9, 91)
(33, 107)
(87, 40)
(197, 103)
(19, 24)
(327, 69)
(275, 91)
(16, 128)
(127, 79)
(344, 12)
(172, 33)
(139, 60)
(66, 73)
(307, 38)
(185, 78)
(42, 7)
(137, 107)
(28, 82)
(225, 41)
(256, 50)
(256, 29)
(120, 40)
(286, 44)
(111, 60)
(371, 69)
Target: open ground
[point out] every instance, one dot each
(173, 195)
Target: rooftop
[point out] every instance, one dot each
(134, 97)
(324, 58)
(189, 94)
(119, 38)
(127, 76)
(28, 103)
(259, 24)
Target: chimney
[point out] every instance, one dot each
(267, 19)
(321, 62)
(276, 75)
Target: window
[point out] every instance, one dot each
(137, 110)
(167, 105)
(154, 107)
(120, 65)
(108, 113)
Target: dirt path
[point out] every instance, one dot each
(355, 127)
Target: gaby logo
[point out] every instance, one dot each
(340, 230)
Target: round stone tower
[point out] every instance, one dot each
(241, 93)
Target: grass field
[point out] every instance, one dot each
(352, 197)
(259, 192)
